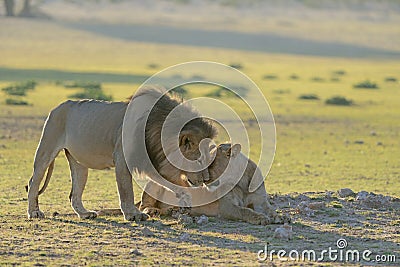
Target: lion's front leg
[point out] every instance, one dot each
(125, 190)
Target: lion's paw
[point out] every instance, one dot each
(88, 215)
(138, 216)
(35, 214)
(152, 212)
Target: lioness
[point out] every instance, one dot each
(90, 133)
(239, 203)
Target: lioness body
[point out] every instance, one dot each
(238, 203)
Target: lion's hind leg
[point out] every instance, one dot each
(79, 176)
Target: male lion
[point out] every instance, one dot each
(90, 133)
(239, 203)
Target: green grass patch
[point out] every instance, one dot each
(367, 84)
(309, 97)
(339, 101)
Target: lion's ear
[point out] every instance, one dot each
(186, 140)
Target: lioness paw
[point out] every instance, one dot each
(35, 214)
(152, 212)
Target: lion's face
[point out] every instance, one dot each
(198, 152)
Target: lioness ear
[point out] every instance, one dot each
(233, 151)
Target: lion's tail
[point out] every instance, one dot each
(47, 180)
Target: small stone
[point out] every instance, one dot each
(346, 192)
(203, 219)
(362, 195)
(135, 252)
(316, 205)
(284, 232)
(359, 142)
(184, 237)
(147, 232)
(55, 213)
(185, 219)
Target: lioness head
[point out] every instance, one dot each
(226, 152)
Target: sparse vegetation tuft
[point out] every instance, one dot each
(20, 89)
(237, 66)
(221, 92)
(367, 84)
(90, 90)
(391, 79)
(16, 102)
(317, 79)
(281, 91)
(339, 72)
(180, 90)
(339, 101)
(270, 77)
(294, 77)
(309, 97)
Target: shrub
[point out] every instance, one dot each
(270, 77)
(16, 102)
(221, 92)
(180, 91)
(339, 72)
(152, 66)
(366, 85)
(84, 85)
(317, 79)
(237, 66)
(339, 101)
(309, 97)
(390, 79)
(335, 79)
(293, 77)
(20, 89)
(281, 91)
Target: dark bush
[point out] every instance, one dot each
(221, 92)
(309, 97)
(390, 79)
(293, 77)
(270, 77)
(366, 85)
(339, 72)
(16, 102)
(180, 91)
(339, 101)
(84, 85)
(281, 91)
(237, 66)
(20, 89)
(152, 66)
(317, 79)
